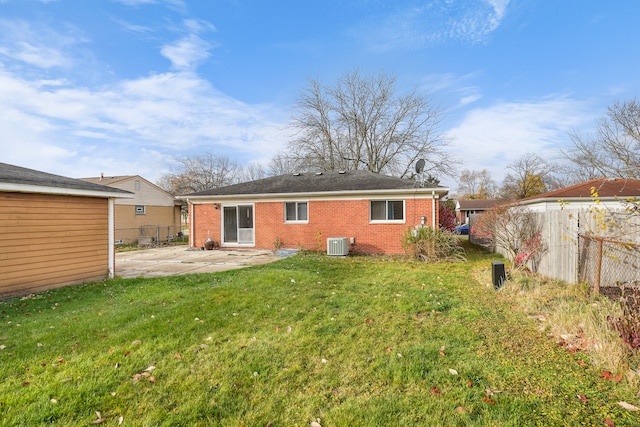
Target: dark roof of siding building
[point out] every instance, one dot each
(22, 176)
(315, 183)
(478, 204)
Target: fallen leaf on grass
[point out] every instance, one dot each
(315, 424)
(453, 371)
(136, 342)
(100, 420)
(488, 400)
(177, 356)
(120, 420)
(469, 384)
(2, 347)
(609, 423)
(606, 375)
(583, 397)
(460, 409)
(435, 390)
(628, 406)
(582, 363)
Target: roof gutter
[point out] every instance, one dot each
(426, 192)
(42, 189)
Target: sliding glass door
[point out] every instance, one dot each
(238, 225)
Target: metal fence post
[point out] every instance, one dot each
(596, 285)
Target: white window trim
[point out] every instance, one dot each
(296, 221)
(389, 221)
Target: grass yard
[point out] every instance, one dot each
(356, 341)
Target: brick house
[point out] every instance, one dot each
(55, 230)
(303, 210)
(152, 215)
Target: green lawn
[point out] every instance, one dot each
(356, 341)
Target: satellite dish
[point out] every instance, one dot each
(420, 166)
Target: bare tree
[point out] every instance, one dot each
(476, 185)
(614, 149)
(363, 123)
(530, 175)
(251, 172)
(514, 229)
(200, 173)
(283, 163)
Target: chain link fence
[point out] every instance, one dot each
(610, 267)
(150, 235)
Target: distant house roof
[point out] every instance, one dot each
(109, 180)
(113, 181)
(607, 188)
(23, 180)
(317, 183)
(477, 204)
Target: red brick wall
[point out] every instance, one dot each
(334, 218)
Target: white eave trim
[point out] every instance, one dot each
(42, 189)
(570, 200)
(427, 193)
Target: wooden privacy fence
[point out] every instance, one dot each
(573, 253)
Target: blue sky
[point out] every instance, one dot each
(125, 86)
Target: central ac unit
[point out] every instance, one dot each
(337, 246)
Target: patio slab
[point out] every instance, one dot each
(177, 260)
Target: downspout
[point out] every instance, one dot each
(192, 228)
(433, 209)
(111, 236)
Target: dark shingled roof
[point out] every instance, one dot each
(314, 183)
(18, 175)
(478, 204)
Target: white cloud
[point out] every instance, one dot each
(434, 22)
(495, 136)
(188, 52)
(459, 86)
(171, 114)
(37, 45)
(174, 4)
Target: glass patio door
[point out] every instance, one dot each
(238, 225)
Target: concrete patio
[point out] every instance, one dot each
(177, 260)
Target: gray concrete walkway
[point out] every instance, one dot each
(177, 260)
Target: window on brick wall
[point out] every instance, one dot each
(387, 211)
(296, 212)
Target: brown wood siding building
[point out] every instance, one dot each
(54, 231)
(51, 240)
(150, 207)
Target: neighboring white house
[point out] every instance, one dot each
(611, 192)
